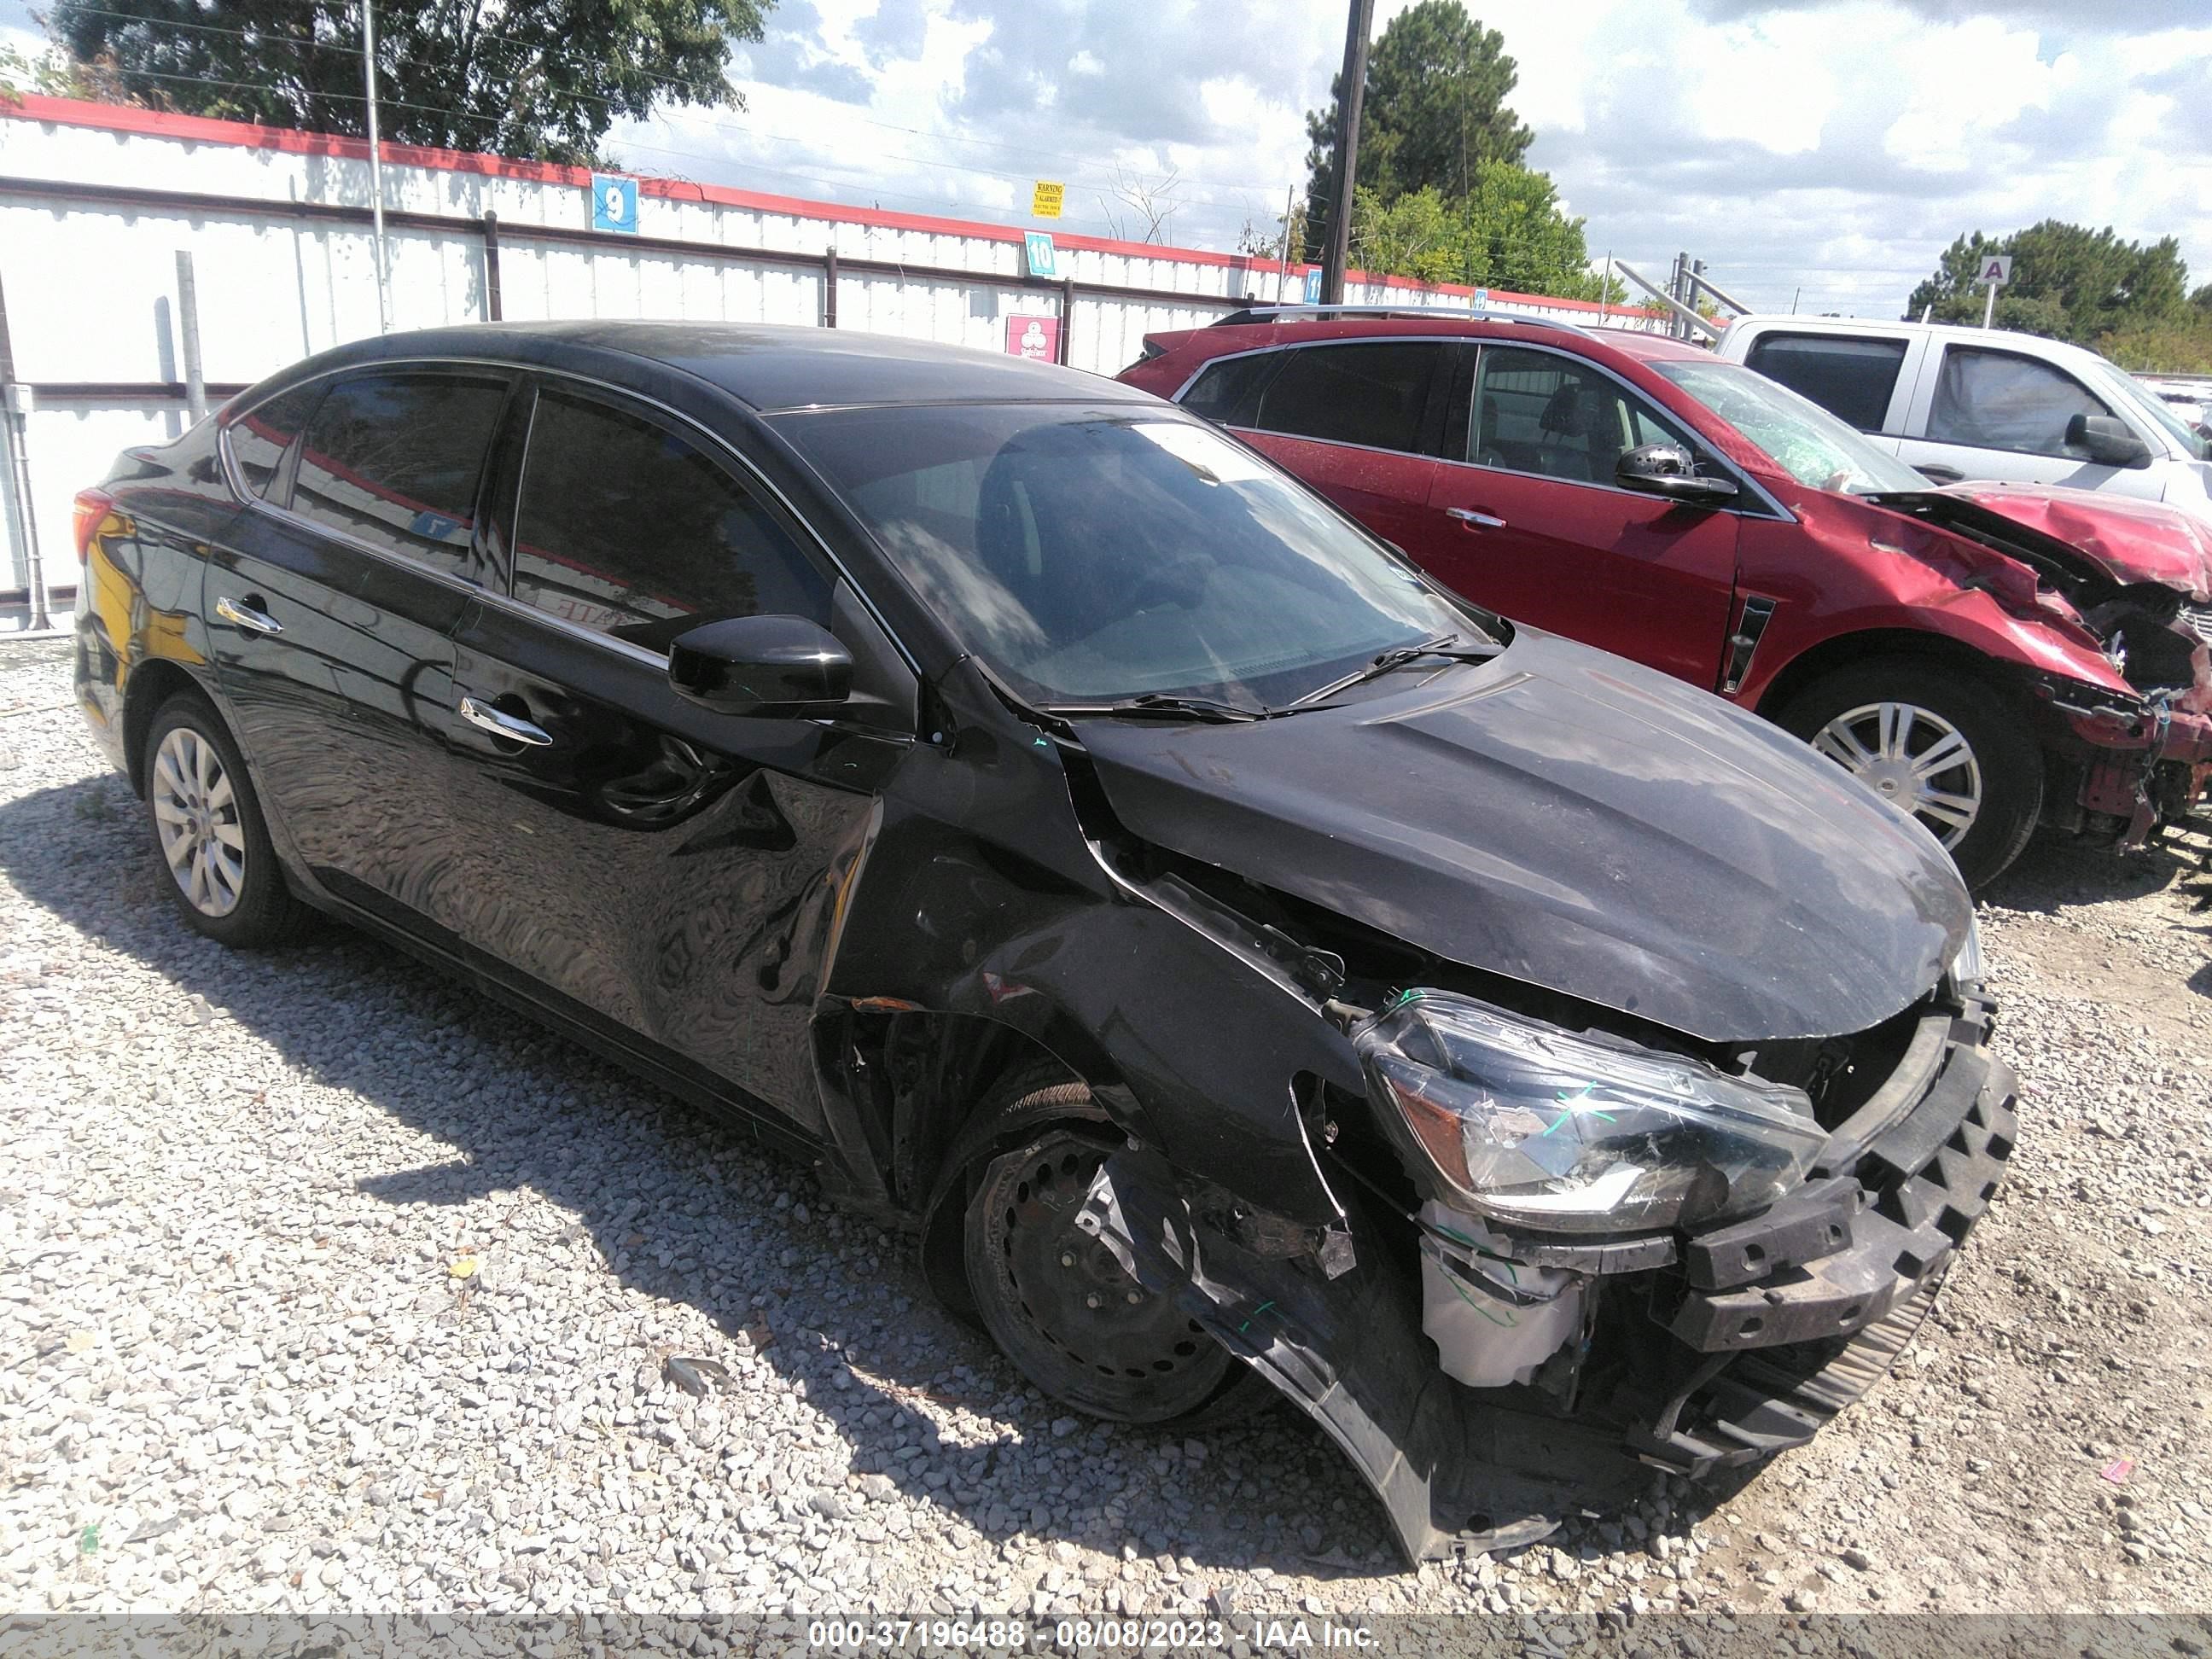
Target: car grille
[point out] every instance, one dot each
(2197, 619)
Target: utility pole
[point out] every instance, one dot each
(375, 165)
(1339, 252)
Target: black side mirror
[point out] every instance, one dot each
(1671, 470)
(2108, 440)
(784, 667)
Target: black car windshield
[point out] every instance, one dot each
(1809, 443)
(1092, 554)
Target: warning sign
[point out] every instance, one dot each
(1046, 198)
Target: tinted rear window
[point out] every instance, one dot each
(260, 437)
(1850, 379)
(1228, 389)
(1371, 393)
(393, 459)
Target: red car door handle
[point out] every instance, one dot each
(1474, 520)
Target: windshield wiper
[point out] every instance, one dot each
(1161, 705)
(1444, 645)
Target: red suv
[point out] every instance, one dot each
(1987, 657)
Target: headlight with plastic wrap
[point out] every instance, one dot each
(1564, 1133)
(1967, 966)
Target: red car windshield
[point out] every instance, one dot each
(1803, 440)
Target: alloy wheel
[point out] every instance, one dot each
(1912, 756)
(195, 813)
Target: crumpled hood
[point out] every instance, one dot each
(1574, 820)
(2132, 540)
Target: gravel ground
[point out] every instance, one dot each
(325, 1284)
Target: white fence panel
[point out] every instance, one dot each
(95, 203)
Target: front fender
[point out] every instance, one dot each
(1456, 1474)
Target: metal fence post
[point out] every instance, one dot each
(15, 428)
(830, 288)
(494, 310)
(188, 326)
(1066, 316)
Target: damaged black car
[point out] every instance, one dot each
(1251, 969)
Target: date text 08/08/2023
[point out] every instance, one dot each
(858, 1636)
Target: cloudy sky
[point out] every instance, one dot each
(1833, 149)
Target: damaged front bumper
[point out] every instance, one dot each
(2141, 765)
(1689, 1352)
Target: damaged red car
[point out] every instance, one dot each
(1990, 658)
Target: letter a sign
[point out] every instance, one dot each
(1995, 271)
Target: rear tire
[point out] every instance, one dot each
(1055, 1300)
(209, 832)
(1935, 742)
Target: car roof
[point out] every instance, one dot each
(1655, 347)
(1902, 328)
(1227, 339)
(770, 368)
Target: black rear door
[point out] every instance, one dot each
(669, 871)
(331, 613)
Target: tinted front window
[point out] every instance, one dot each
(2000, 400)
(1371, 393)
(260, 437)
(2164, 412)
(394, 458)
(1804, 440)
(1091, 555)
(627, 527)
(1852, 379)
(1536, 412)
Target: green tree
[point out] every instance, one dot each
(1507, 232)
(2068, 281)
(1433, 113)
(539, 83)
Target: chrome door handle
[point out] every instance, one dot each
(1468, 516)
(512, 727)
(245, 616)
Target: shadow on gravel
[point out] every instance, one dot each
(850, 1320)
(2056, 872)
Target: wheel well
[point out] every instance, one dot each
(152, 683)
(1829, 655)
(936, 1072)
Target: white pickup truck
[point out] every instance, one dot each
(1961, 403)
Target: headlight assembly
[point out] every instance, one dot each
(1562, 1133)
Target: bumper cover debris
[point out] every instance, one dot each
(1769, 1327)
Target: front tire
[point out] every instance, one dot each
(210, 834)
(1056, 1301)
(1937, 743)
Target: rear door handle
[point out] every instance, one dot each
(1472, 519)
(513, 727)
(248, 615)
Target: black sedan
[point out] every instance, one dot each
(1243, 964)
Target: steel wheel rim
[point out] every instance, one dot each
(1912, 757)
(1073, 1294)
(196, 815)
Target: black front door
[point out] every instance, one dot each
(674, 872)
(332, 610)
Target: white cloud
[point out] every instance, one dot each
(1825, 150)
